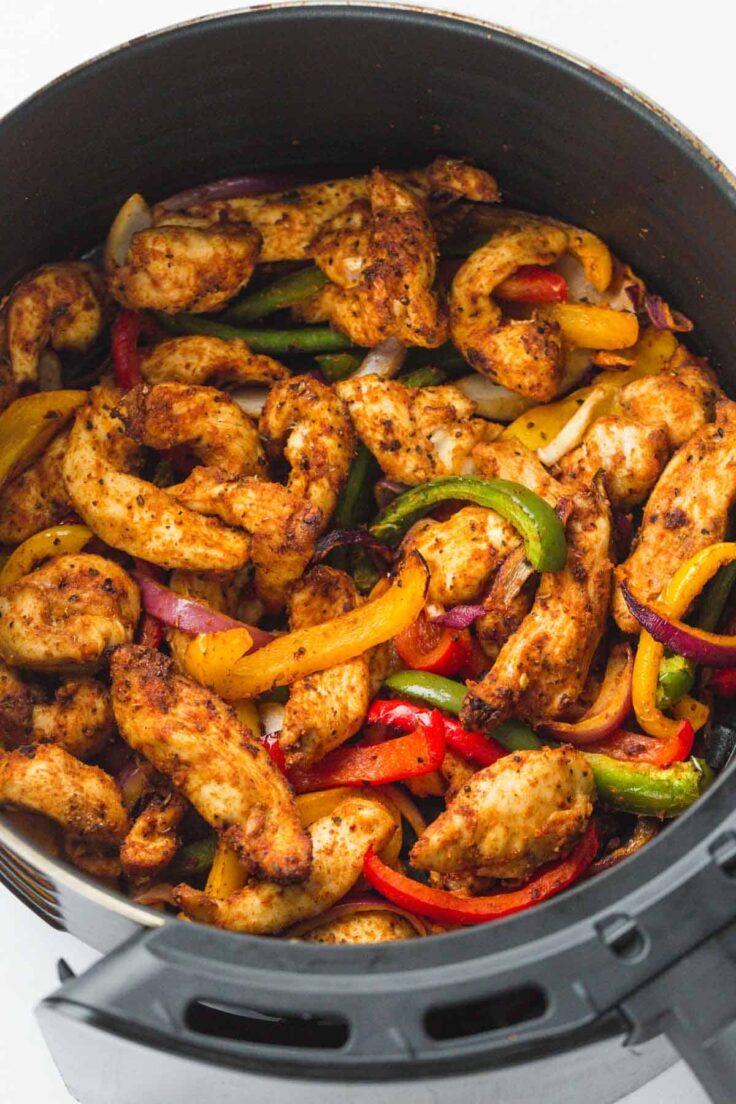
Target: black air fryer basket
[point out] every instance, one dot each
(589, 994)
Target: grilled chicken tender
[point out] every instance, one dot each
(304, 421)
(193, 737)
(185, 265)
(44, 778)
(525, 810)
(510, 459)
(396, 266)
(79, 718)
(199, 359)
(16, 707)
(202, 419)
(679, 400)
(37, 498)
(127, 512)
(630, 454)
(67, 614)
(339, 845)
(687, 511)
(288, 221)
(415, 433)
(59, 305)
(153, 839)
(325, 709)
(362, 927)
(541, 669)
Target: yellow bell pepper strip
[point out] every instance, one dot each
(28, 424)
(305, 651)
(539, 526)
(588, 327)
(59, 540)
(208, 654)
(690, 709)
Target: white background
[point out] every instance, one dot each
(679, 53)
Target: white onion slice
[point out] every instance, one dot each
(573, 430)
(133, 216)
(384, 361)
(272, 717)
(251, 400)
(493, 401)
(49, 371)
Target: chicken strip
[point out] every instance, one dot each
(416, 434)
(288, 221)
(153, 839)
(16, 707)
(687, 510)
(507, 602)
(510, 459)
(193, 737)
(304, 421)
(325, 709)
(630, 454)
(679, 400)
(37, 498)
(44, 778)
(59, 305)
(541, 669)
(67, 614)
(79, 718)
(202, 419)
(199, 359)
(527, 809)
(130, 514)
(339, 845)
(362, 927)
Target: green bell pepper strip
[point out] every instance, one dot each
(426, 376)
(676, 678)
(285, 292)
(541, 529)
(715, 598)
(434, 690)
(355, 504)
(195, 858)
(339, 366)
(307, 339)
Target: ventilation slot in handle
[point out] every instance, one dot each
(252, 1025)
(457, 1021)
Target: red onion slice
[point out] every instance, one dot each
(610, 709)
(386, 490)
(349, 907)
(339, 538)
(237, 187)
(459, 617)
(190, 617)
(709, 649)
(663, 317)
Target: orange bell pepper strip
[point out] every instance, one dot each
(59, 540)
(533, 284)
(28, 424)
(426, 646)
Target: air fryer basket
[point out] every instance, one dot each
(350, 87)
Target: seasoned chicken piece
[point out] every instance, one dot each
(510, 459)
(288, 221)
(79, 718)
(542, 667)
(59, 305)
(415, 433)
(326, 709)
(130, 514)
(527, 809)
(68, 613)
(44, 778)
(462, 553)
(392, 295)
(206, 421)
(362, 927)
(16, 707)
(185, 265)
(630, 454)
(679, 400)
(37, 498)
(199, 359)
(687, 510)
(341, 246)
(304, 421)
(193, 737)
(507, 603)
(339, 845)
(457, 772)
(153, 839)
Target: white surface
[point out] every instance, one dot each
(680, 54)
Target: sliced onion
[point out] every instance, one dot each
(405, 806)
(709, 649)
(339, 538)
(236, 187)
(271, 715)
(133, 216)
(610, 709)
(384, 361)
(350, 907)
(190, 617)
(459, 617)
(160, 894)
(386, 490)
(573, 431)
(491, 400)
(663, 317)
(645, 830)
(132, 781)
(251, 400)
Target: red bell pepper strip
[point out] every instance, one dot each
(273, 747)
(723, 682)
(636, 748)
(124, 334)
(427, 646)
(449, 908)
(376, 764)
(405, 716)
(533, 284)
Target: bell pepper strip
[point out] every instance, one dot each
(405, 716)
(696, 712)
(207, 655)
(539, 526)
(305, 651)
(533, 284)
(636, 748)
(338, 366)
(285, 292)
(194, 859)
(433, 690)
(446, 907)
(517, 736)
(647, 790)
(376, 764)
(715, 596)
(59, 540)
(723, 682)
(428, 375)
(676, 678)
(426, 646)
(28, 424)
(306, 339)
(124, 334)
(589, 327)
